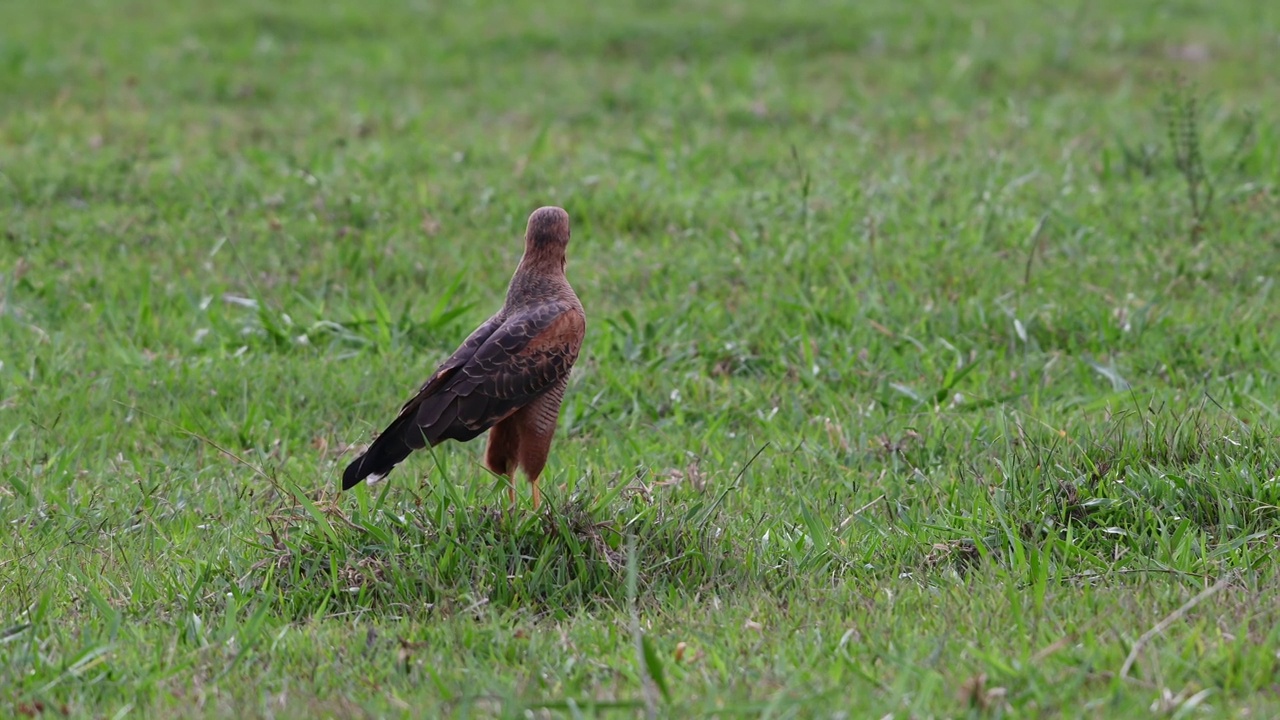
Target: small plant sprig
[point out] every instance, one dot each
(1181, 116)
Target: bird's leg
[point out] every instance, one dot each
(500, 456)
(532, 458)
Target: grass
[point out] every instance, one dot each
(931, 366)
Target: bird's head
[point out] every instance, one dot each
(548, 232)
(540, 275)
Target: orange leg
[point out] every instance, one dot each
(532, 458)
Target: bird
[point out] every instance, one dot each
(508, 377)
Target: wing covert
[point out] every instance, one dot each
(523, 357)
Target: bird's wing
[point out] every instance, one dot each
(403, 436)
(529, 352)
(501, 367)
(446, 369)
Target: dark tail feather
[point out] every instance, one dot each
(384, 454)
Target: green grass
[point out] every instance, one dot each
(916, 383)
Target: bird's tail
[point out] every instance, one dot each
(388, 450)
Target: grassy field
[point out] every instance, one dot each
(932, 365)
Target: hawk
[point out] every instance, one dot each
(508, 377)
